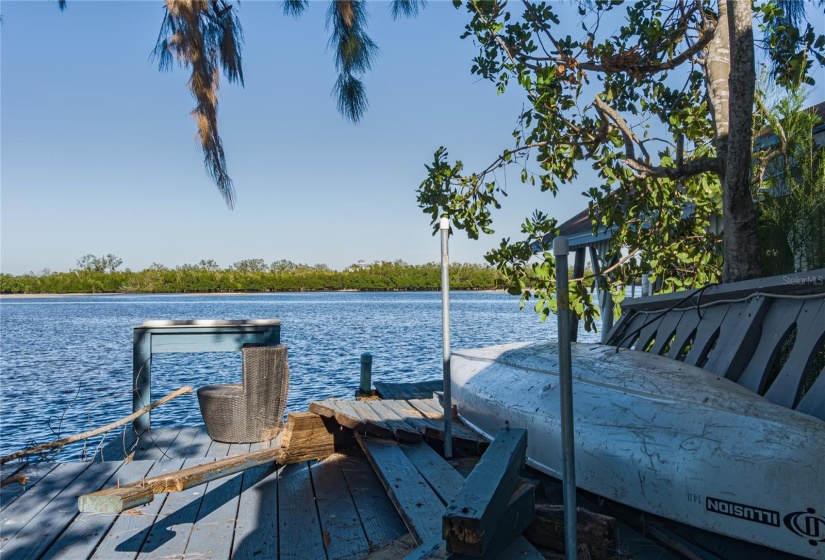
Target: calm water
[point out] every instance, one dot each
(66, 363)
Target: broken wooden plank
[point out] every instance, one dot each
(329, 409)
(471, 518)
(382, 523)
(597, 532)
(419, 507)
(443, 478)
(305, 437)
(434, 428)
(403, 391)
(401, 429)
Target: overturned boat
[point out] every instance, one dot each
(658, 435)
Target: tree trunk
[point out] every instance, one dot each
(743, 258)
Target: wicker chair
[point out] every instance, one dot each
(251, 412)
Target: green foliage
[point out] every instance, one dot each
(629, 100)
(792, 191)
(250, 276)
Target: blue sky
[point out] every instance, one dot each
(99, 153)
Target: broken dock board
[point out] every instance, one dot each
(474, 515)
(401, 391)
(419, 507)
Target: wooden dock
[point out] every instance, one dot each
(354, 504)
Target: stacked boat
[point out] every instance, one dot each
(659, 435)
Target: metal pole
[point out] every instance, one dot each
(365, 386)
(561, 248)
(445, 336)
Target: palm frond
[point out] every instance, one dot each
(295, 7)
(204, 36)
(61, 4)
(351, 96)
(406, 8)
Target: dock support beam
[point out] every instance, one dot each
(561, 248)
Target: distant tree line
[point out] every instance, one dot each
(102, 275)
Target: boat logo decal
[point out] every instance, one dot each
(807, 524)
(742, 511)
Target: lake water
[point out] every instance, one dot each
(66, 363)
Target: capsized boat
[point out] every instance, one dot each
(659, 435)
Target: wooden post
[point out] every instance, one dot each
(365, 386)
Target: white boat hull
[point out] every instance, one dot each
(659, 435)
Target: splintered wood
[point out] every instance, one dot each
(305, 437)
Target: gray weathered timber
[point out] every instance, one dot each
(86, 531)
(163, 444)
(256, 527)
(443, 478)
(211, 535)
(129, 531)
(299, 531)
(41, 530)
(200, 471)
(402, 391)
(170, 532)
(380, 520)
(37, 497)
(415, 501)
(200, 444)
(422, 411)
(327, 409)
(374, 423)
(471, 518)
(32, 472)
(401, 429)
(344, 535)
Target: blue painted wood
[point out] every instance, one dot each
(472, 517)
(156, 337)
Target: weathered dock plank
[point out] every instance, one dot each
(37, 497)
(30, 474)
(256, 525)
(86, 531)
(418, 505)
(344, 535)
(402, 391)
(35, 533)
(170, 533)
(299, 530)
(401, 429)
(430, 414)
(327, 409)
(212, 532)
(443, 478)
(130, 529)
(380, 520)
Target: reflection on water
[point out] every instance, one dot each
(66, 363)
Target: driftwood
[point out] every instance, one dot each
(596, 532)
(304, 438)
(97, 432)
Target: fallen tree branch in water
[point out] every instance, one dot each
(96, 432)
